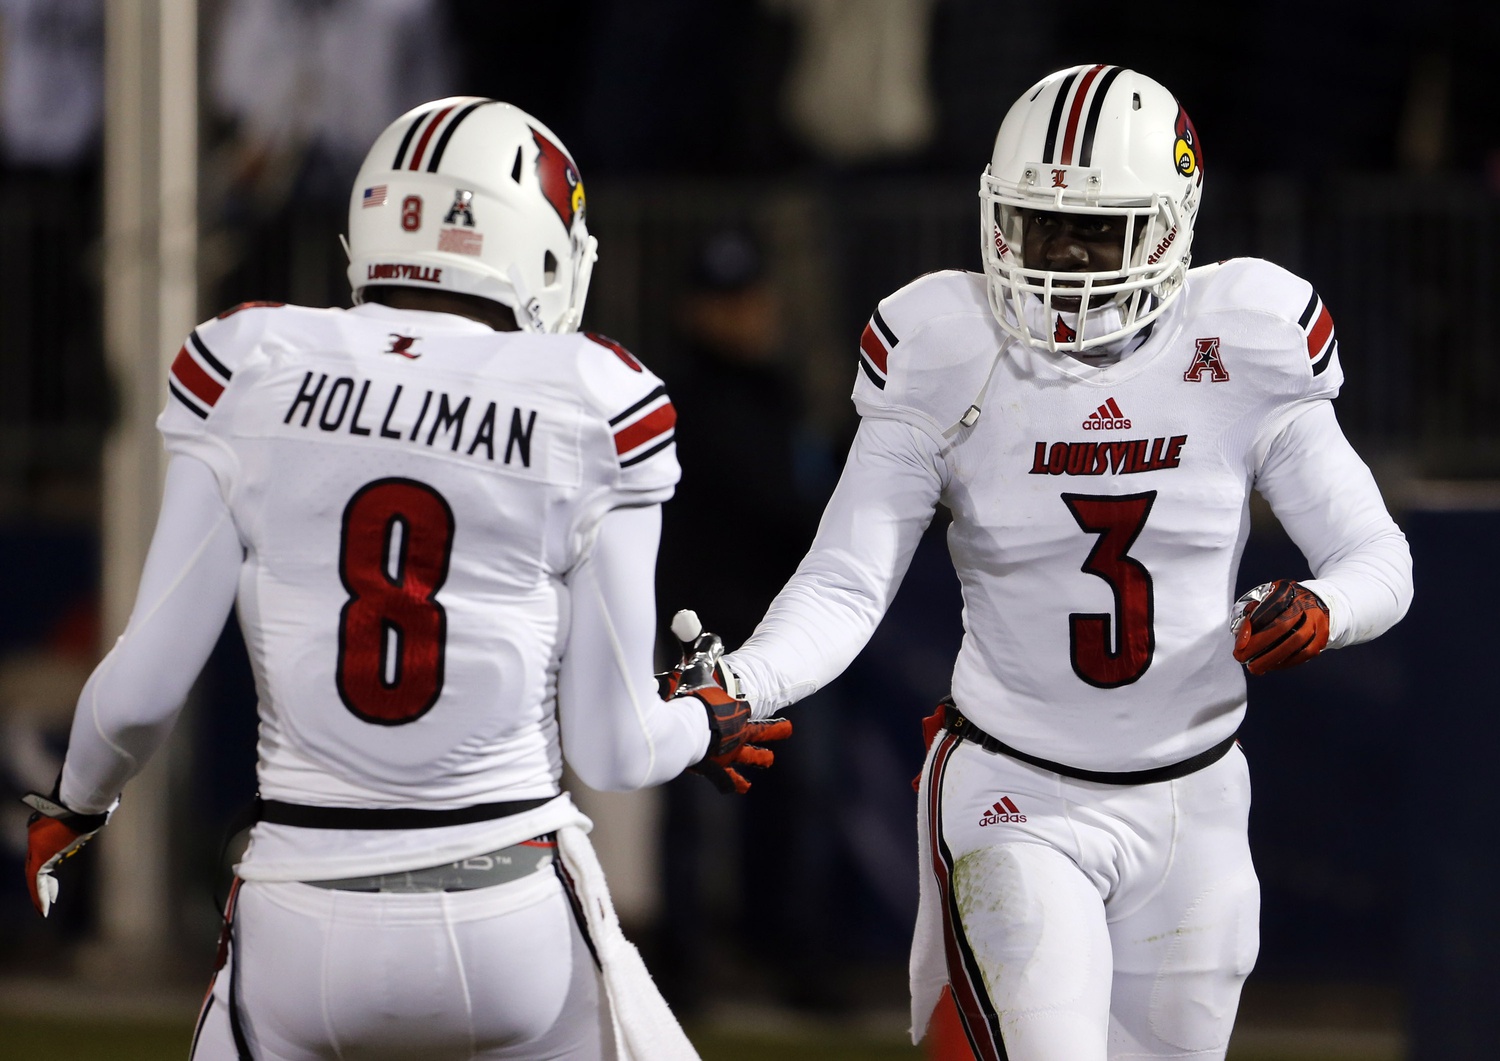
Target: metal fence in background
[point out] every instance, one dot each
(1408, 267)
(55, 395)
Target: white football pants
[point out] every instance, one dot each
(493, 973)
(1091, 922)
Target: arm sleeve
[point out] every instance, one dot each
(616, 733)
(1326, 498)
(131, 701)
(829, 609)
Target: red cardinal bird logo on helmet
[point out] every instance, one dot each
(1062, 333)
(1186, 151)
(561, 185)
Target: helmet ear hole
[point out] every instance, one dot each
(549, 268)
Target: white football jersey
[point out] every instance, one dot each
(411, 490)
(1099, 511)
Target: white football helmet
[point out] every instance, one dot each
(475, 196)
(1091, 140)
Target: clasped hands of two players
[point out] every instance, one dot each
(1278, 625)
(734, 739)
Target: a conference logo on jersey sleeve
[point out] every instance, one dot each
(644, 429)
(197, 379)
(1207, 361)
(875, 345)
(1317, 328)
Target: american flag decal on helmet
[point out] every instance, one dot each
(644, 429)
(1075, 115)
(875, 345)
(1317, 328)
(197, 378)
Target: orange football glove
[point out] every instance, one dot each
(54, 833)
(1278, 625)
(735, 739)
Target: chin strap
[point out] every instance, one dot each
(582, 274)
(527, 309)
(971, 414)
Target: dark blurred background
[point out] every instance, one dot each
(759, 174)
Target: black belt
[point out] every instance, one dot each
(309, 817)
(955, 723)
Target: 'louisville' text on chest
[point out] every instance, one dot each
(1119, 458)
(424, 418)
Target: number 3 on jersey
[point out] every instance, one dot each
(393, 558)
(1100, 659)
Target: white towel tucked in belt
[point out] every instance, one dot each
(645, 1029)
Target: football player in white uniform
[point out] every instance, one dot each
(437, 513)
(1094, 416)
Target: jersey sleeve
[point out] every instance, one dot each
(1294, 340)
(1284, 343)
(617, 733)
(829, 609)
(924, 355)
(639, 422)
(201, 385)
(1325, 497)
(187, 588)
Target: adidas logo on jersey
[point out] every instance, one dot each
(1004, 811)
(1106, 417)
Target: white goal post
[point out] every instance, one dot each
(150, 303)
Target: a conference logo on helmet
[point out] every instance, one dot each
(561, 185)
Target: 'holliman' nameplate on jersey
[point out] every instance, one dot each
(422, 417)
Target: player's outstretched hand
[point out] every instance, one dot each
(698, 665)
(53, 832)
(1278, 625)
(735, 741)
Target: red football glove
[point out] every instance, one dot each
(53, 833)
(735, 738)
(1278, 625)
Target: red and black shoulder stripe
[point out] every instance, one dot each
(197, 378)
(1317, 329)
(644, 428)
(875, 345)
